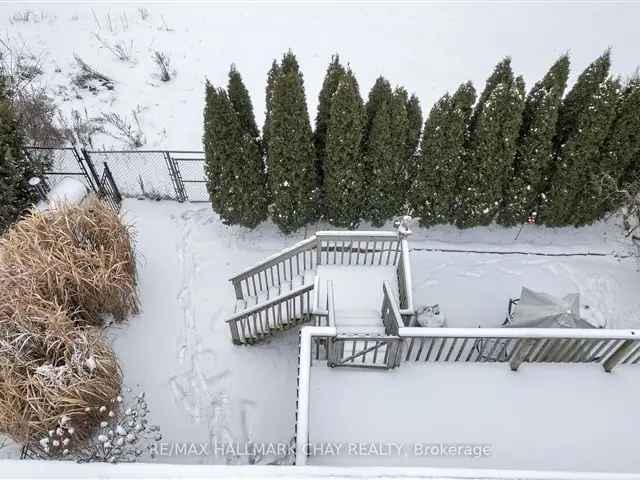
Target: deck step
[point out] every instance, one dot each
(274, 292)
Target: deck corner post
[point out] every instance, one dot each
(621, 352)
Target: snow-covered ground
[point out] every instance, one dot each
(203, 389)
(429, 48)
(543, 417)
(200, 387)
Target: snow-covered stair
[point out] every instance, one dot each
(275, 309)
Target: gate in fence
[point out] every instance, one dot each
(68, 162)
(155, 174)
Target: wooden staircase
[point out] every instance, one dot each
(283, 291)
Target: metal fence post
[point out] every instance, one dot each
(95, 183)
(176, 178)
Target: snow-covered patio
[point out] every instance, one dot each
(203, 389)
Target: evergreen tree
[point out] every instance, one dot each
(241, 102)
(233, 167)
(414, 116)
(385, 156)
(291, 155)
(414, 130)
(9, 179)
(622, 145)
(344, 173)
(335, 72)
(492, 148)
(534, 155)
(501, 74)
(433, 194)
(274, 71)
(584, 120)
(15, 168)
(380, 93)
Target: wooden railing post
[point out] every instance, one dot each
(318, 250)
(621, 352)
(238, 288)
(522, 349)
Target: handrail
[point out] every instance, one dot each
(271, 301)
(390, 313)
(331, 307)
(405, 283)
(277, 313)
(591, 333)
(275, 269)
(518, 345)
(270, 260)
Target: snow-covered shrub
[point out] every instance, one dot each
(89, 78)
(120, 50)
(144, 13)
(124, 434)
(34, 110)
(80, 128)
(124, 129)
(163, 62)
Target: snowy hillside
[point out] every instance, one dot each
(429, 49)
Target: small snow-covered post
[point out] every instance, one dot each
(405, 287)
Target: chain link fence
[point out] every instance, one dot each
(155, 174)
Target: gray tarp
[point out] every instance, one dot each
(541, 310)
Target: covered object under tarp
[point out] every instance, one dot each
(541, 310)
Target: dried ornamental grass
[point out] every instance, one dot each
(81, 257)
(60, 271)
(74, 378)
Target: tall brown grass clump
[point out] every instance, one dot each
(54, 372)
(61, 272)
(80, 256)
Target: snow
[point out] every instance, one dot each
(357, 292)
(424, 47)
(543, 417)
(201, 388)
(66, 191)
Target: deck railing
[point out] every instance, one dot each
(325, 317)
(519, 345)
(357, 248)
(391, 318)
(257, 322)
(405, 289)
(276, 269)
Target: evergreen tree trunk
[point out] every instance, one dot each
(344, 168)
(291, 158)
(534, 155)
(433, 195)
